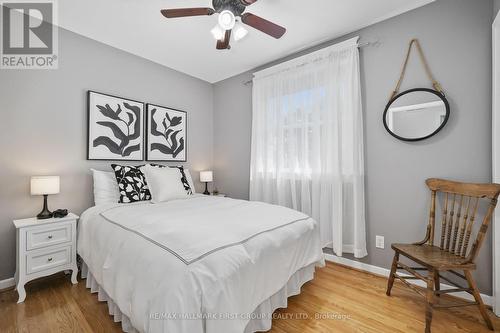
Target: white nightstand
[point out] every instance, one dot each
(44, 247)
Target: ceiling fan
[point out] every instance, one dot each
(228, 11)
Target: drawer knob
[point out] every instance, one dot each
(49, 259)
(49, 237)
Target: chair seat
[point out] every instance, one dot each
(432, 257)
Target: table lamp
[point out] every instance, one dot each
(44, 185)
(206, 177)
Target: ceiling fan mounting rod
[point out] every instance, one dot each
(237, 7)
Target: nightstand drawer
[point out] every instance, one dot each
(44, 260)
(47, 236)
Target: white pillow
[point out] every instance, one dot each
(164, 183)
(105, 187)
(190, 180)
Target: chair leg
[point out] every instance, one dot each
(477, 297)
(394, 267)
(430, 301)
(437, 282)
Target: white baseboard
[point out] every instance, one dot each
(488, 300)
(7, 283)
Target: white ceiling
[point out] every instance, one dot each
(186, 45)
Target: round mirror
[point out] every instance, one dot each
(416, 114)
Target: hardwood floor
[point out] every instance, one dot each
(339, 299)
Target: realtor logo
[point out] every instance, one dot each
(29, 35)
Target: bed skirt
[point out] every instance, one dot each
(261, 318)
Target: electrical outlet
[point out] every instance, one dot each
(379, 242)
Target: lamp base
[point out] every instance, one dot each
(206, 189)
(45, 213)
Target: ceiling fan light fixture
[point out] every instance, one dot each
(227, 20)
(217, 32)
(240, 32)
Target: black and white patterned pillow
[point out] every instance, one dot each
(131, 183)
(184, 180)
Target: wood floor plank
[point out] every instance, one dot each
(339, 299)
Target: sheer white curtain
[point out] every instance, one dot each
(307, 142)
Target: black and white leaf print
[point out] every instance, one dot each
(170, 145)
(115, 128)
(120, 125)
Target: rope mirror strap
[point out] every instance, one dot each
(435, 84)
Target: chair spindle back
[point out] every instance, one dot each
(460, 208)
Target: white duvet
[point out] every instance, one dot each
(199, 265)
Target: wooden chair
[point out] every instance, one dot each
(461, 204)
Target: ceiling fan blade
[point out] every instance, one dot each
(183, 12)
(263, 25)
(248, 2)
(223, 44)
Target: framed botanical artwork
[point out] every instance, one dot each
(115, 128)
(166, 134)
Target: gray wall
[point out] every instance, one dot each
(496, 6)
(232, 135)
(456, 36)
(43, 125)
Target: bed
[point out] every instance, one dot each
(200, 265)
